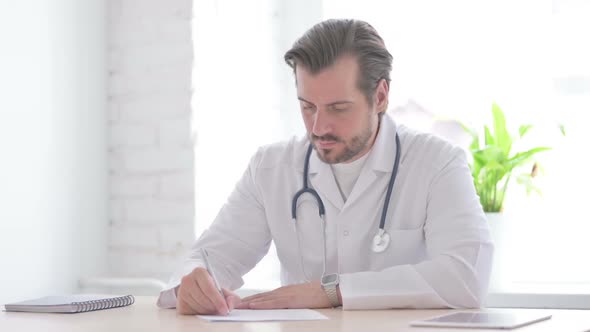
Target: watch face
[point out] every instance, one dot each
(329, 279)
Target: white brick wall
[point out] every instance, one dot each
(151, 157)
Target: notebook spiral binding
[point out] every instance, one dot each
(104, 304)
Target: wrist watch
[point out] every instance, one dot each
(329, 283)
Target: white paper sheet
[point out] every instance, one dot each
(245, 315)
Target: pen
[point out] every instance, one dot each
(205, 255)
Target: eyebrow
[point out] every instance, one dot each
(338, 102)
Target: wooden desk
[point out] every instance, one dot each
(145, 316)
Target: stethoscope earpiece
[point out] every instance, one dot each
(380, 241)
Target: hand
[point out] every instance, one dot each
(197, 295)
(309, 295)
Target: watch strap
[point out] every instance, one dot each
(332, 295)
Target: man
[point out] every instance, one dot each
(433, 248)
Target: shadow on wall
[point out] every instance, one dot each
(414, 116)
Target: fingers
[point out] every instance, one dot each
(207, 285)
(231, 298)
(307, 295)
(242, 305)
(278, 303)
(190, 299)
(202, 301)
(185, 302)
(277, 299)
(184, 308)
(197, 295)
(256, 296)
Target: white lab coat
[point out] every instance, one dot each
(440, 253)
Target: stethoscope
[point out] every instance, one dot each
(380, 240)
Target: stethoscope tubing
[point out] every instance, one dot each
(379, 244)
(314, 193)
(390, 184)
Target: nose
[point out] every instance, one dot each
(321, 123)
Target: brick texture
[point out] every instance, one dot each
(151, 153)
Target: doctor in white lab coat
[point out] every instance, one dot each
(439, 254)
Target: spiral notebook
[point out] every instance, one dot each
(71, 303)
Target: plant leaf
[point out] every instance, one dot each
(562, 129)
(522, 157)
(489, 139)
(488, 185)
(523, 130)
(493, 153)
(492, 165)
(502, 137)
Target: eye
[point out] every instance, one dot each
(307, 107)
(340, 108)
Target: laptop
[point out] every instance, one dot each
(484, 320)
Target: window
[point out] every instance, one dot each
(239, 78)
(451, 58)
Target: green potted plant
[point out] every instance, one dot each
(494, 162)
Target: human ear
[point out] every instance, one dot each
(381, 98)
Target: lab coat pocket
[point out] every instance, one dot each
(406, 246)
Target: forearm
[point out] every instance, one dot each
(445, 282)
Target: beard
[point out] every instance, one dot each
(352, 147)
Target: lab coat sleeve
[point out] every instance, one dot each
(236, 241)
(459, 249)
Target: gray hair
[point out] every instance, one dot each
(326, 41)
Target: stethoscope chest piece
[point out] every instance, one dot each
(380, 241)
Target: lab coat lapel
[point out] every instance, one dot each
(323, 181)
(379, 164)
